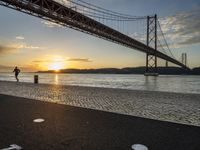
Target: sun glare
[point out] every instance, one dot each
(57, 64)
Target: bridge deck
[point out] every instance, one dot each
(53, 11)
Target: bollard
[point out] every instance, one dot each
(36, 79)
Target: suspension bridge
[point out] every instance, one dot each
(142, 33)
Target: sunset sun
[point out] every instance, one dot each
(57, 64)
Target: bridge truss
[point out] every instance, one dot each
(69, 16)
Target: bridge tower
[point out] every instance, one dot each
(151, 59)
(184, 59)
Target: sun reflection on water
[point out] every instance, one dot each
(56, 79)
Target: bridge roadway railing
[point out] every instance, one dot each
(58, 13)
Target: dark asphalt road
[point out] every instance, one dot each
(73, 128)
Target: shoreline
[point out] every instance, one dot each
(69, 85)
(165, 106)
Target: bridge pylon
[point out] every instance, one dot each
(184, 59)
(151, 58)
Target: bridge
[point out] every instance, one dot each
(143, 33)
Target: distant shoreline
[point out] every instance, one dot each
(128, 70)
(135, 70)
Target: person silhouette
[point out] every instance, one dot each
(16, 71)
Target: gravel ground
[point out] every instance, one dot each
(164, 106)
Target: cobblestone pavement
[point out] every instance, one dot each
(173, 107)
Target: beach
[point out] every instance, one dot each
(164, 106)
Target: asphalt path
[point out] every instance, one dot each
(38, 125)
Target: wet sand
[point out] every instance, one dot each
(74, 128)
(164, 106)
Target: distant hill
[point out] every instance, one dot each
(130, 70)
(196, 71)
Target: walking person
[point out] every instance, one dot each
(16, 71)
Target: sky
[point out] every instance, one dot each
(33, 44)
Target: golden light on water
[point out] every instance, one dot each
(56, 79)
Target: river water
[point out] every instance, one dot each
(169, 83)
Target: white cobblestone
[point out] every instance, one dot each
(173, 107)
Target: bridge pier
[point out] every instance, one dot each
(151, 58)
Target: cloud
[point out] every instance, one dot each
(62, 60)
(5, 67)
(19, 37)
(80, 59)
(15, 48)
(45, 61)
(51, 24)
(40, 61)
(26, 68)
(25, 46)
(182, 29)
(7, 49)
